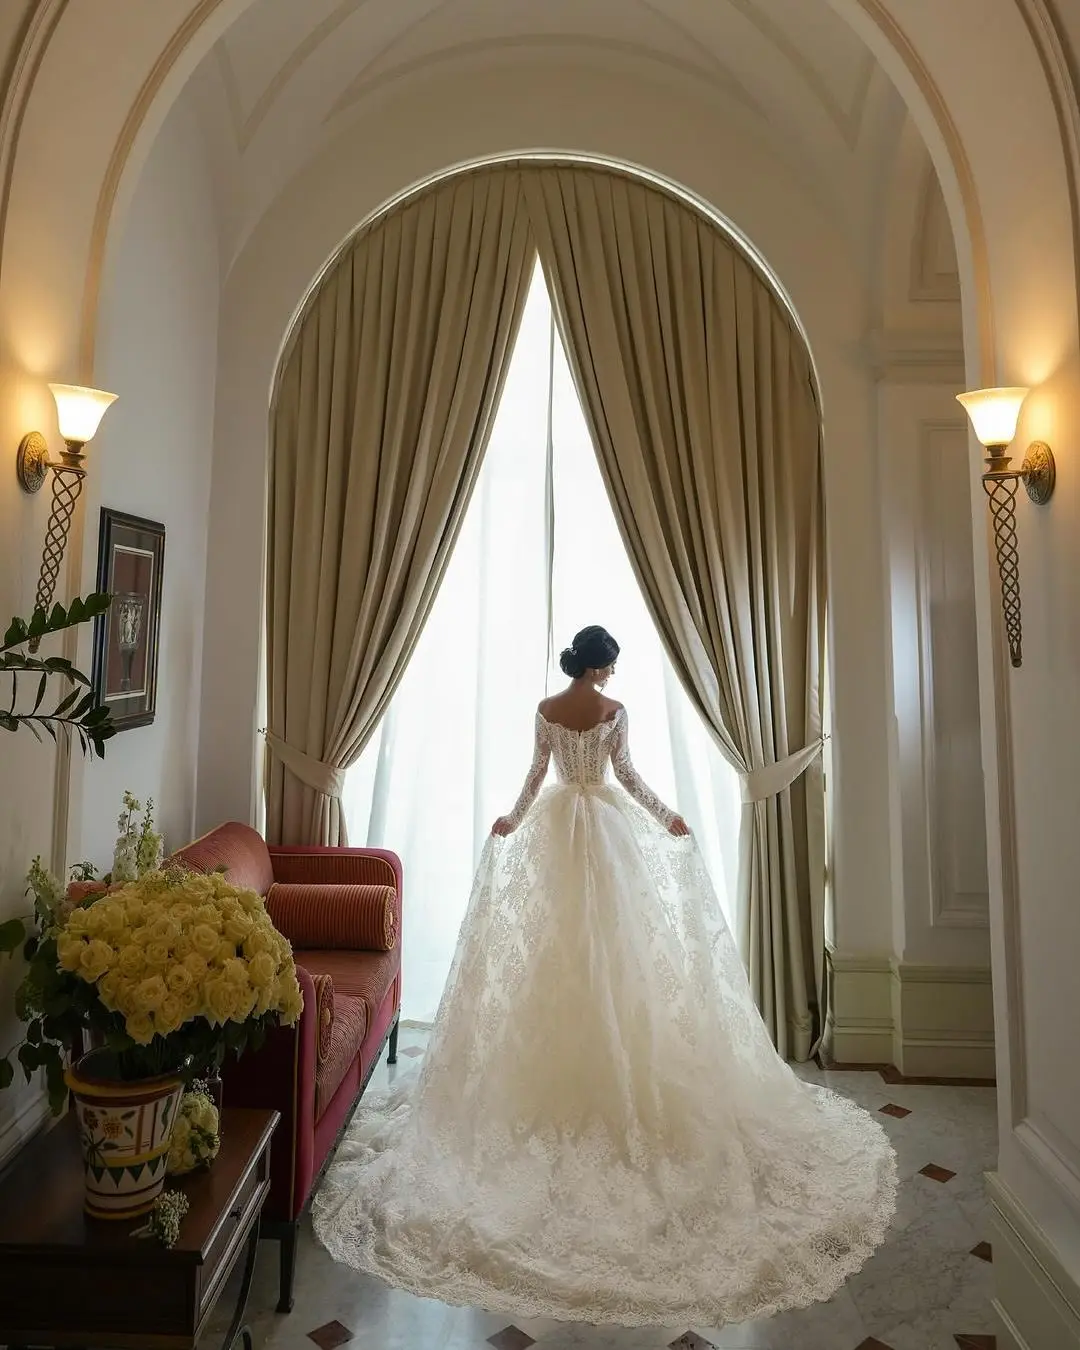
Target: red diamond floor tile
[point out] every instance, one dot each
(411, 1051)
(691, 1341)
(511, 1338)
(330, 1336)
(983, 1251)
(936, 1173)
(871, 1344)
(976, 1342)
(897, 1112)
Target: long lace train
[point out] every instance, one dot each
(601, 1130)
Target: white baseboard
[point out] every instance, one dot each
(1037, 1302)
(861, 1026)
(30, 1115)
(928, 1021)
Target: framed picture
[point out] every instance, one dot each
(131, 560)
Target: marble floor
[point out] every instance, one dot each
(927, 1288)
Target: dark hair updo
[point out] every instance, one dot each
(593, 649)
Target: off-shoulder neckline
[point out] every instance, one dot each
(574, 731)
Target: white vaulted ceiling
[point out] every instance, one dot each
(288, 75)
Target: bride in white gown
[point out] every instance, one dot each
(601, 1130)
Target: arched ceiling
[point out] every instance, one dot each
(288, 76)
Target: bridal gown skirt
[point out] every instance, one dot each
(601, 1130)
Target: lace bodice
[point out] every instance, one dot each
(581, 760)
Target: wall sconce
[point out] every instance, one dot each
(79, 412)
(994, 414)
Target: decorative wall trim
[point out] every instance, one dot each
(950, 907)
(1036, 1301)
(935, 358)
(37, 33)
(31, 1115)
(926, 283)
(861, 1019)
(928, 1021)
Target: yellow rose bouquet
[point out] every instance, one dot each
(169, 972)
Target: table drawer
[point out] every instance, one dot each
(233, 1229)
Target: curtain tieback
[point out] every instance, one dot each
(313, 773)
(769, 781)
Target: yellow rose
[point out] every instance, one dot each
(220, 999)
(178, 978)
(261, 970)
(132, 962)
(96, 958)
(208, 915)
(76, 924)
(134, 909)
(191, 1001)
(250, 902)
(157, 955)
(196, 967)
(149, 993)
(169, 1015)
(225, 952)
(291, 1002)
(163, 930)
(204, 939)
(69, 950)
(140, 1028)
(141, 935)
(182, 947)
(235, 971)
(238, 927)
(258, 940)
(109, 988)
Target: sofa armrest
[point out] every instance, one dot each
(336, 866)
(322, 917)
(281, 1076)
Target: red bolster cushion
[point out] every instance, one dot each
(318, 917)
(324, 1015)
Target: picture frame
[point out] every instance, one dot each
(131, 565)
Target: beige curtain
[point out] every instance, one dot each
(699, 395)
(379, 425)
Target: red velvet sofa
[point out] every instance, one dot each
(341, 910)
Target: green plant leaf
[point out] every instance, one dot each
(8, 722)
(39, 623)
(7, 1073)
(17, 633)
(30, 1059)
(12, 936)
(43, 684)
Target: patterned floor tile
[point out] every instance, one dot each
(871, 1344)
(330, 1336)
(936, 1173)
(411, 1050)
(897, 1112)
(691, 1341)
(976, 1342)
(983, 1251)
(511, 1338)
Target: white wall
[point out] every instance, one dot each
(157, 348)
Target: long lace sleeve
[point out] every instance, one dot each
(623, 767)
(535, 779)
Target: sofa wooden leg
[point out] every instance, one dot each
(391, 1049)
(288, 1268)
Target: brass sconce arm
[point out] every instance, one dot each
(80, 412)
(994, 414)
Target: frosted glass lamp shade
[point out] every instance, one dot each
(79, 411)
(994, 413)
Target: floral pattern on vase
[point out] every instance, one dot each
(125, 1132)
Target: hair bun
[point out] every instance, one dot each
(571, 664)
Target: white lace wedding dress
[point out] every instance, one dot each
(601, 1130)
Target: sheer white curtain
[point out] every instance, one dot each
(539, 540)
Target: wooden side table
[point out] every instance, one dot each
(68, 1281)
